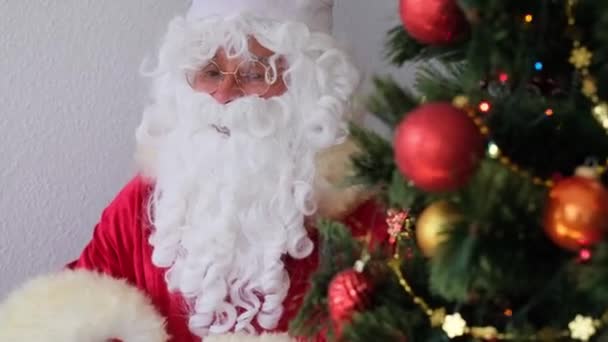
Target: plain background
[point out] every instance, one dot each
(70, 99)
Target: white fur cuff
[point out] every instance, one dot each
(75, 306)
(250, 338)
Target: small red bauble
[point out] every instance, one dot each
(438, 147)
(348, 292)
(433, 22)
(577, 212)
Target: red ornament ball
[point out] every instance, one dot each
(348, 292)
(433, 22)
(577, 213)
(438, 147)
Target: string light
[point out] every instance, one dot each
(584, 255)
(549, 112)
(460, 101)
(493, 150)
(485, 106)
(503, 77)
(538, 66)
(528, 18)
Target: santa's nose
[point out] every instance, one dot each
(227, 91)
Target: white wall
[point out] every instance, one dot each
(363, 25)
(70, 99)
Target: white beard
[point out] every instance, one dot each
(233, 184)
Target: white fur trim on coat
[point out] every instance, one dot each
(249, 338)
(77, 306)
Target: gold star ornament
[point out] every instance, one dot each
(582, 328)
(600, 112)
(581, 57)
(454, 325)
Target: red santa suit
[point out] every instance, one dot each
(120, 248)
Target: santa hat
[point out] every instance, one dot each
(316, 14)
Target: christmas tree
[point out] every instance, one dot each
(495, 180)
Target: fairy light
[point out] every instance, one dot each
(493, 150)
(503, 77)
(549, 112)
(584, 255)
(528, 18)
(485, 106)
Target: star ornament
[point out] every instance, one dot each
(581, 57)
(454, 325)
(600, 112)
(582, 328)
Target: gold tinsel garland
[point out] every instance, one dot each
(581, 328)
(581, 58)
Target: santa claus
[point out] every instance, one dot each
(214, 234)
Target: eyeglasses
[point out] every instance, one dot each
(252, 77)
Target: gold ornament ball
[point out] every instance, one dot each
(432, 223)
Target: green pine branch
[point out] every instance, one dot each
(374, 164)
(391, 101)
(338, 251)
(402, 48)
(592, 278)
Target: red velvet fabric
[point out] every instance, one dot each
(120, 248)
